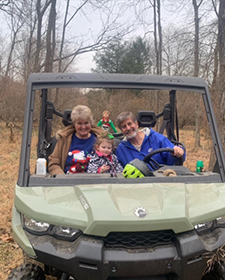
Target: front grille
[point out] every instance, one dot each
(133, 240)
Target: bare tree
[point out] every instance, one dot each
(158, 46)
(111, 29)
(177, 52)
(50, 38)
(27, 52)
(160, 36)
(196, 70)
(65, 24)
(221, 51)
(47, 36)
(218, 85)
(15, 22)
(40, 10)
(4, 3)
(43, 27)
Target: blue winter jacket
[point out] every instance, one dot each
(153, 140)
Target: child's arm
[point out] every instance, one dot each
(112, 126)
(99, 123)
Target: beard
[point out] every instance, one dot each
(132, 135)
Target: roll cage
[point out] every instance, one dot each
(47, 81)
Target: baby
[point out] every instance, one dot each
(104, 161)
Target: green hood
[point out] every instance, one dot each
(98, 210)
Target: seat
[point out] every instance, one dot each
(148, 119)
(66, 120)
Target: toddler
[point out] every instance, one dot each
(104, 161)
(106, 123)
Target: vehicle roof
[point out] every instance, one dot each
(50, 80)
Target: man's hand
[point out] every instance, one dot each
(178, 151)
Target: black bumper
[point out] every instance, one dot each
(87, 258)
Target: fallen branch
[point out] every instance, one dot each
(216, 258)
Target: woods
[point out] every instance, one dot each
(149, 37)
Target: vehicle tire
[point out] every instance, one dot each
(220, 270)
(214, 275)
(27, 272)
(211, 276)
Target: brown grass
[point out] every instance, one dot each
(194, 154)
(10, 253)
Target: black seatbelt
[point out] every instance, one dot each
(177, 128)
(167, 123)
(48, 128)
(166, 117)
(42, 125)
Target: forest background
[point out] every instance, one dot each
(183, 37)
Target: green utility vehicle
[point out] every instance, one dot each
(97, 227)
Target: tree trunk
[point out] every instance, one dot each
(38, 45)
(215, 100)
(50, 40)
(40, 13)
(63, 36)
(221, 82)
(196, 73)
(158, 47)
(160, 36)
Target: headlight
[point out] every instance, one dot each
(220, 221)
(35, 225)
(211, 225)
(66, 232)
(42, 228)
(204, 226)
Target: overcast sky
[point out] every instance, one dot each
(85, 61)
(86, 23)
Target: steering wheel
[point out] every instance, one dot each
(155, 165)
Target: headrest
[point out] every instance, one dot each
(66, 117)
(146, 118)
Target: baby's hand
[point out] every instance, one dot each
(104, 168)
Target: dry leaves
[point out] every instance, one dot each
(6, 238)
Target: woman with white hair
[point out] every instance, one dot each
(75, 144)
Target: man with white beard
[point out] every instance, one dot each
(139, 143)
